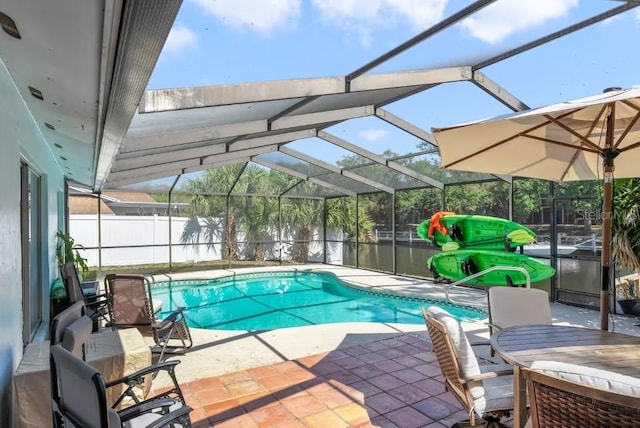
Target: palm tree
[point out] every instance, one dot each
(341, 215)
(208, 200)
(626, 228)
(298, 218)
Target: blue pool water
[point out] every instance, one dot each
(289, 299)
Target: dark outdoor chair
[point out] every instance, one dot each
(87, 292)
(131, 305)
(79, 399)
(72, 328)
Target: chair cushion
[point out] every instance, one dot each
(511, 306)
(76, 334)
(466, 357)
(603, 379)
(498, 391)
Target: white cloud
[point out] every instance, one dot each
(263, 16)
(180, 39)
(636, 86)
(505, 17)
(364, 17)
(372, 134)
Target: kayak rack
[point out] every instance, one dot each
(484, 272)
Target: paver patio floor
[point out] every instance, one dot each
(393, 382)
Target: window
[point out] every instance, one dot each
(31, 231)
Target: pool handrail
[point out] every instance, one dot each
(484, 272)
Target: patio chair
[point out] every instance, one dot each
(71, 329)
(569, 396)
(79, 399)
(87, 292)
(131, 305)
(511, 306)
(485, 392)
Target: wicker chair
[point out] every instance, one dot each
(563, 403)
(485, 392)
(131, 305)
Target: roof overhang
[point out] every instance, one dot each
(81, 68)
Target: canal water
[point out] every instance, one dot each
(579, 275)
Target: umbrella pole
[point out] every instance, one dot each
(606, 247)
(607, 212)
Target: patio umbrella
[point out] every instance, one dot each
(586, 139)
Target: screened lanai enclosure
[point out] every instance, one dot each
(251, 215)
(292, 171)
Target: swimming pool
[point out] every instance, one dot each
(263, 301)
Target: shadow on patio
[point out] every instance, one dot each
(391, 382)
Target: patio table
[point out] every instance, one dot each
(113, 353)
(522, 345)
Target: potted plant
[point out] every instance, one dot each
(626, 242)
(67, 251)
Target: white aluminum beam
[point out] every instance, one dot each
(302, 176)
(218, 95)
(321, 117)
(272, 139)
(157, 100)
(114, 184)
(379, 159)
(176, 138)
(352, 175)
(406, 126)
(193, 162)
(209, 165)
(253, 151)
(140, 172)
(172, 149)
(498, 92)
(164, 158)
(371, 82)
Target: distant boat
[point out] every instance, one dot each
(544, 250)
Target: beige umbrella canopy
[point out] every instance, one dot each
(586, 139)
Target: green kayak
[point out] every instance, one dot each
(453, 231)
(458, 264)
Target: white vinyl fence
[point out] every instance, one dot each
(145, 240)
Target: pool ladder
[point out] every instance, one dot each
(484, 272)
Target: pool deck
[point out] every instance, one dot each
(225, 372)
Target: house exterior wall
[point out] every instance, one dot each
(21, 139)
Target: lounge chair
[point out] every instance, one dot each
(79, 399)
(569, 396)
(511, 306)
(71, 329)
(485, 392)
(87, 292)
(131, 305)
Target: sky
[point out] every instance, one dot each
(233, 41)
